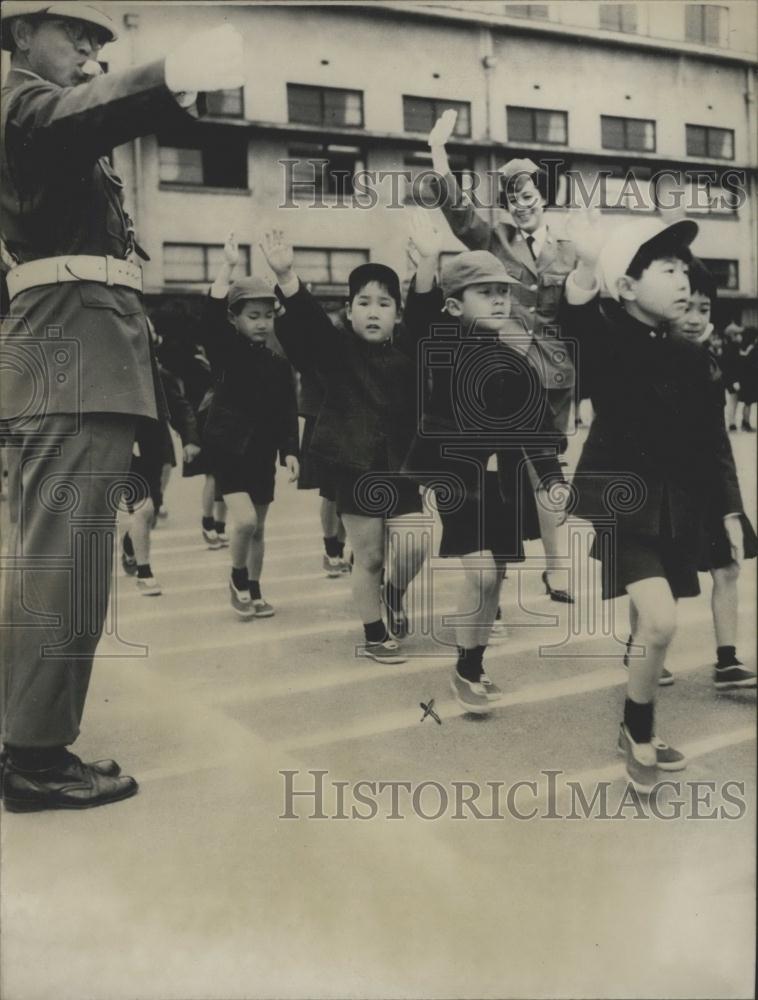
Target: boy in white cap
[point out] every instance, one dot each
(539, 262)
(484, 400)
(654, 461)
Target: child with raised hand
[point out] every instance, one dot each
(367, 368)
(719, 558)
(253, 416)
(653, 446)
(484, 400)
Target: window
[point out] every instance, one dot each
(420, 114)
(725, 272)
(316, 266)
(226, 103)
(702, 140)
(705, 23)
(417, 164)
(324, 168)
(535, 11)
(324, 105)
(218, 158)
(618, 17)
(197, 263)
(627, 133)
(537, 125)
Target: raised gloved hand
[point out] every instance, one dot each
(206, 60)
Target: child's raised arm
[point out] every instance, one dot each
(425, 239)
(220, 287)
(309, 338)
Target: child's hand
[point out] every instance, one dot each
(190, 452)
(293, 467)
(424, 235)
(231, 250)
(443, 128)
(278, 252)
(586, 234)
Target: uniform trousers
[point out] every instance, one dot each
(64, 493)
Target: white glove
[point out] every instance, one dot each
(206, 60)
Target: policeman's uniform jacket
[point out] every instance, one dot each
(537, 296)
(657, 455)
(59, 196)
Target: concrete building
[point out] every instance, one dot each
(660, 96)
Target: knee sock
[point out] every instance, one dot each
(727, 656)
(332, 547)
(126, 544)
(638, 719)
(375, 631)
(208, 524)
(239, 577)
(144, 571)
(255, 589)
(469, 663)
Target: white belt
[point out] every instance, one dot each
(78, 267)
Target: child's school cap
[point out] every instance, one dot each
(362, 275)
(624, 243)
(250, 288)
(473, 267)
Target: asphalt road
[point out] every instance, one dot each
(198, 888)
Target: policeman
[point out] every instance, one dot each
(76, 363)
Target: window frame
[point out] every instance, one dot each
(702, 9)
(318, 153)
(626, 148)
(227, 115)
(330, 251)
(623, 9)
(728, 261)
(707, 130)
(439, 104)
(322, 91)
(534, 112)
(245, 252)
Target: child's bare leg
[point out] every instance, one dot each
(140, 524)
(725, 604)
(257, 546)
(366, 535)
(479, 594)
(655, 608)
(244, 523)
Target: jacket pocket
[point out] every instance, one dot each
(124, 301)
(550, 292)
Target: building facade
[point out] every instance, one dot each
(635, 106)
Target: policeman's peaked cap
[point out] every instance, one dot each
(75, 10)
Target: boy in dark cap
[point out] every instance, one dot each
(655, 461)
(366, 420)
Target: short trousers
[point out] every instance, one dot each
(148, 459)
(485, 524)
(377, 493)
(628, 559)
(253, 472)
(314, 473)
(717, 552)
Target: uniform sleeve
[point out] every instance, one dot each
(728, 493)
(462, 217)
(49, 125)
(309, 338)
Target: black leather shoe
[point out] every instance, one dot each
(109, 768)
(562, 596)
(71, 784)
